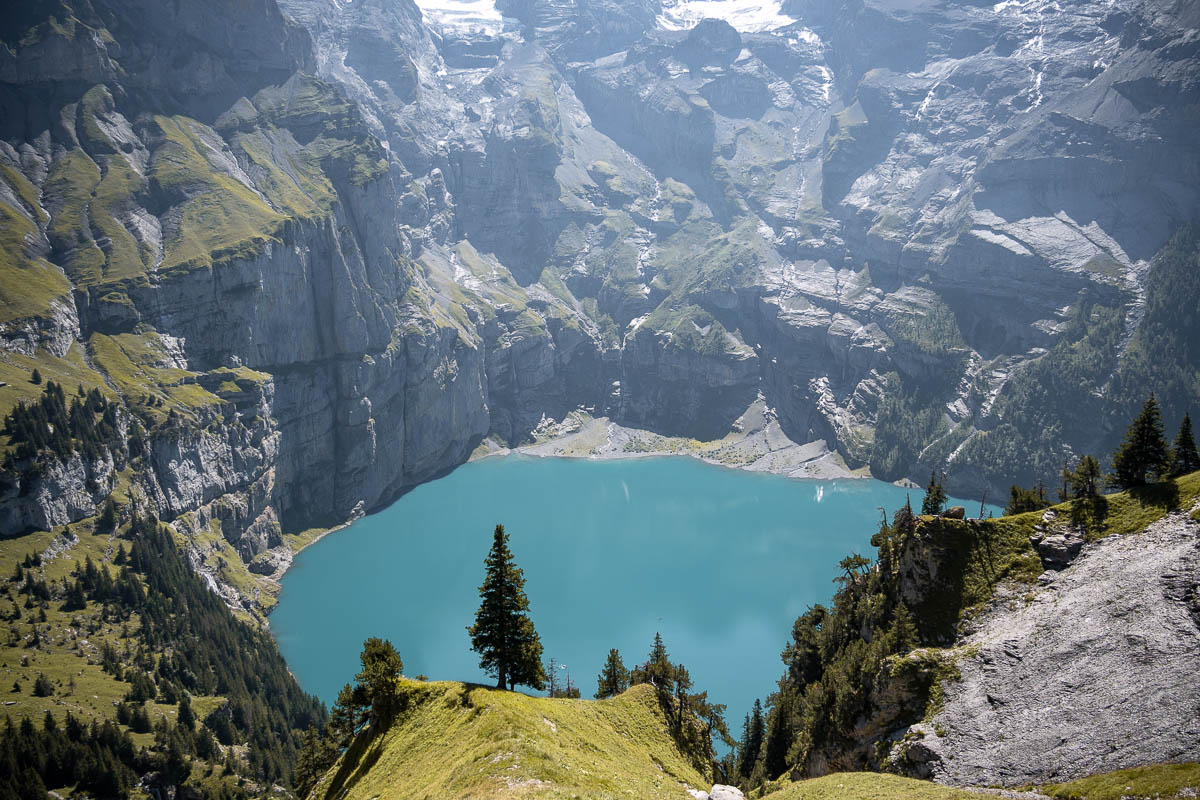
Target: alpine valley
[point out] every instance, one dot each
(267, 265)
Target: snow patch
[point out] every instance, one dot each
(1000, 8)
(928, 99)
(807, 36)
(463, 16)
(826, 82)
(747, 16)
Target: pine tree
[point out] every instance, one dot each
(614, 678)
(108, 517)
(381, 666)
(503, 634)
(935, 497)
(657, 670)
(1143, 453)
(347, 715)
(752, 740)
(779, 734)
(1085, 480)
(187, 717)
(36, 377)
(317, 754)
(905, 635)
(1022, 500)
(42, 686)
(1184, 458)
(854, 566)
(683, 682)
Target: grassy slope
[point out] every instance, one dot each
(71, 642)
(867, 786)
(1157, 780)
(28, 284)
(463, 741)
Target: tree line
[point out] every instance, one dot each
(88, 423)
(1142, 458)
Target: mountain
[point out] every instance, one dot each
(314, 253)
(1027, 649)
(266, 265)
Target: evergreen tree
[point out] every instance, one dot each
(108, 517)
(187, 717)
(753, 735)
(1184, 458)
(935, 496)
(779, 734)
(657, 670)
(1143, 453)
(381, 666)
(36, 377)
(503, 634)
(855, 566)
(42, 686)
(348, 715)
(1022, 500)
(1084, 482)
(614, 678)
(317, 754)
(905, 635)
(683, 682)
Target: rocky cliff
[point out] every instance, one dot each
(1087, 673)
(314, 252)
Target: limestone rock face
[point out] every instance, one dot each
(1059, 549)
(679, 390)
(1095, 673)
(874, 201)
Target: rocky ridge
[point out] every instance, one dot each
(1087, 673)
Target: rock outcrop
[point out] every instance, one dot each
(1090, 673)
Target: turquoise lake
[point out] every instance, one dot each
(721, 561)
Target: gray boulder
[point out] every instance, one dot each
(1060, 549)
(722, 792)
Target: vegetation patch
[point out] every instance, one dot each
(219, 217)
(1157, 781)
(142, 370)
(867, 786)
(101, 617)
(932, 329)
(28, 285)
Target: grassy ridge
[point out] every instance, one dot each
(456, 740)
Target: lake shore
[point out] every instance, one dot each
(756, 443)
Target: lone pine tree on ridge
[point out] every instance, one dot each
(503, 634)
